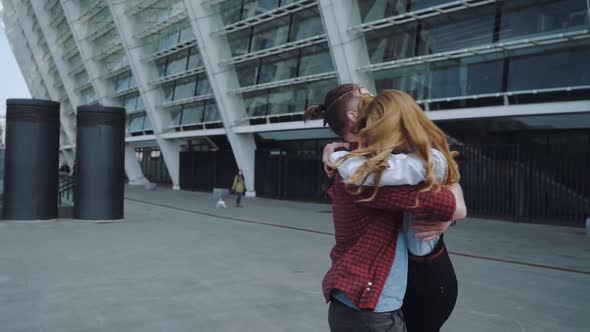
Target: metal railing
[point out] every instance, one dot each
(526, 183)
(65, 190)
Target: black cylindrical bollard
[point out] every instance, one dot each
(100, 163)
(31, 159)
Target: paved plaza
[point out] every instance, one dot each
(179, 264)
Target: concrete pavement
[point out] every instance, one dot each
(179, 264)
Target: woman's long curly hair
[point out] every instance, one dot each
(392, 122)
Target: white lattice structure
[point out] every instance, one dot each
(203, 71)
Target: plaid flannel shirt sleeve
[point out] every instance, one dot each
(437, 204)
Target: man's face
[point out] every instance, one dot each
(353, 115)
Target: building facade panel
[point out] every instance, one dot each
(220, 76)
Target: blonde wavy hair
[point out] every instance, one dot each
(392, 122)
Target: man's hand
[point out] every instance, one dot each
(428, 230)
(328, 150)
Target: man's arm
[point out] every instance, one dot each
(442, 205)
(429, 229)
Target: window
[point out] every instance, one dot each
(278, 67)
(211, 113)
(400, 43)
(186, 33)
(257, 7)
(311, 60)
(230, 11)
(169, 39)
(315, 60)
(203, 85)
(288, 100)
(237, 10)
(316, 91)
(306, 24)
(456, 30)
(560, 67)
(465, 28)
(194, 60)
(129, 102)
(247, 72)
(192, 114)
(122, 82)
(551, 69)
(162, 66)
(270, 34)
(168, 91)
(132, 82)
(136, 123)
(177, 63)
(184, 89)
(372, 10)
(531, 17)
(256, 104)
(176, 115)
(140, 104)
(147, 124)
(239, 42)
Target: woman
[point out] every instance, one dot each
(339, 111)
(393, 123)
(239, 187)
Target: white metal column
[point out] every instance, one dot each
(22, 54)
(151, 97)
(205, 19)
(28, 67)
(50, 80)
(349, 49)
(50, 36)
(132, 167)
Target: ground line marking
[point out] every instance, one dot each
(255, 222)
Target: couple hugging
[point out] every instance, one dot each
(395, 192)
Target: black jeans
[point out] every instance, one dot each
(343, 318)
(239, 198)
(431, 293)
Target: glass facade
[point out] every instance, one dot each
(198, 115)
(181, 76)
(452, 43)
(300, 63)
(274, 58)
(279, 50)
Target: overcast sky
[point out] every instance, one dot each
(12, 84)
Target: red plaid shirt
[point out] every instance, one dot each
(366, 236)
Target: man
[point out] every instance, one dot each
(366, 283)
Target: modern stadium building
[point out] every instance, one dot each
(211, 86)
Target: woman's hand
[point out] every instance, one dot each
(461, 210)
(328, 150)
(429, 229)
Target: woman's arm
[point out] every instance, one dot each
(461, 209)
